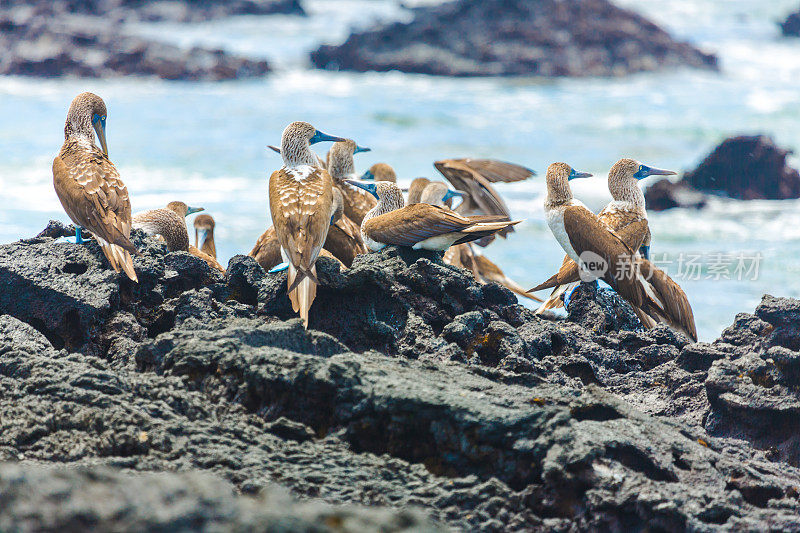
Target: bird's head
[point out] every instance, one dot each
(380, 172)
(183, 210)
(340, 158)
(437, 193)
(627, 169)
(416, 189)
(86, 113)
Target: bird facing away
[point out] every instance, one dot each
(344, 236)
(418, 226)
(464, 255)
(653, 295)
(301, 206)
(475, 176)
(625, 215)
(169, 224)
(88, 185)
(341, 168)
(380, 172)
(204, 234)
(415, 190)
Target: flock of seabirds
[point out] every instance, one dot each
(319, 208)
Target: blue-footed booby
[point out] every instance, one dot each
(464, 255)
(169, 224)
(341, 168)
(88, 185)
(419, 226)
(475, 176)
(204, 234)
(625, 215)
(654, 296)
(380, 172)
(301, 206)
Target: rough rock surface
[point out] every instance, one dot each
(45, 46)
(515, 38)
(749, 167)
(791, 26)
(414, 388)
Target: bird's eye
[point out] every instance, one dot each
(640, 169)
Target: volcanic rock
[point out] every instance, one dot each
(414, 387)
(515, 38)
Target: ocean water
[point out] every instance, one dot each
(205, 143)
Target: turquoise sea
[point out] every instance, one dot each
(205, 143)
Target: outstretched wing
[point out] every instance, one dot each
(494, 170)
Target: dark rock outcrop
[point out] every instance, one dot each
(43, 46)
(745, 168)
(460, 402)
(515, 38)
(160, 10)
(791, 26)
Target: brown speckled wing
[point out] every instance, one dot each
(92, 193)
(413, 224)
(301, 213)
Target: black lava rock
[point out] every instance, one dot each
(791, 26)
(515, 38)
(413, 387)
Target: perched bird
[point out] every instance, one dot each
(204, 234)
(341, 168)
(625, 215)
(301, 206)
(380, 172)
(169, 224)
(415, 190)
(419, 226)
(464, 255)
(88, 185)
(475, 176)
(267, 250)
(654, 296)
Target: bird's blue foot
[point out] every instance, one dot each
(279, 268)
(79, 235)
(568, 296)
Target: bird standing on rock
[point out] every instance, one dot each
(168, 223)
(654, 296)
(88, 185)
(204, 234)
(625, 215)
(301, 206)
(419, 226)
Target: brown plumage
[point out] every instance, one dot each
(415, 190)
(579, 231)
(170, 224)
(475, 176)
(341, 167)
(204, 234)
(380, 172)
(267, 250)
(301, 206)
(625, 215)
(344, 236)
(419, 226)
(321, 163)
(88, 185)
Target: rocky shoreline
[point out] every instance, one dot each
(746, 167)
(416, 392)
(515, 38)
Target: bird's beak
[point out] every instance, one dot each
(368, 186)
(649, 171)
(100, 128)
(577, 175)
(361, 149)
(323, 137)
(200, 237)
(193, 210)
(274, 148)
(451, 193)
(368, 176)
